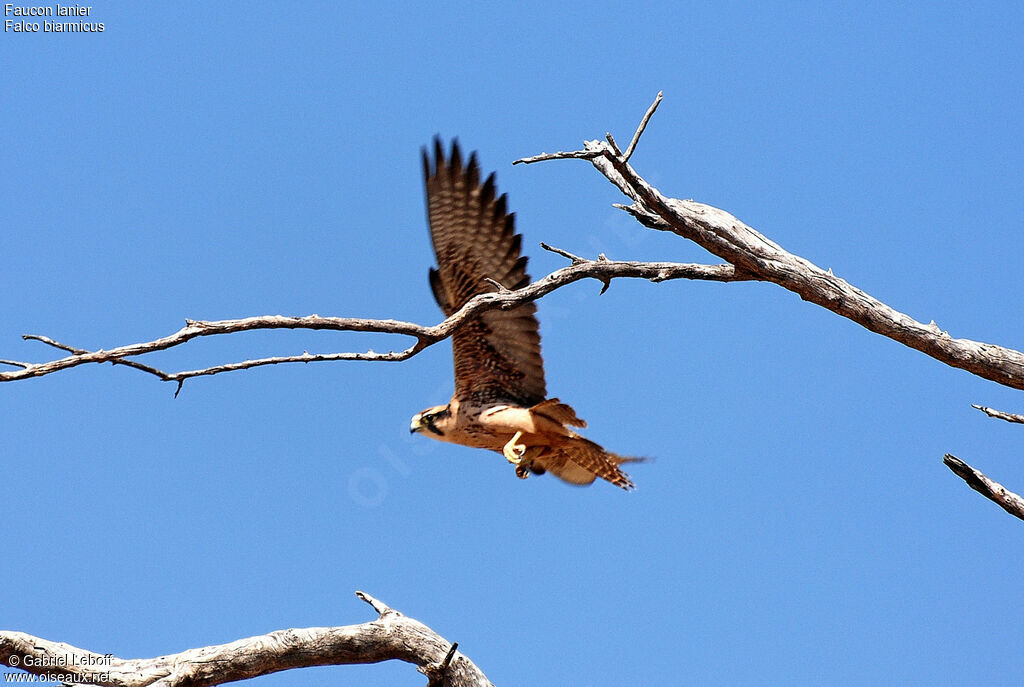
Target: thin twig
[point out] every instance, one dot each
(998, 414)
(612, 143)
(589, 154)
(560, 155)
(378, 605)
(497, 284)
(576, 260)
(437, 672)
(81, 351)
(50, 342)
(448, 659)
(640, 129)
(1007, 500)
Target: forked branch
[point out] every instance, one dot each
(391, 636)
(603, 270)
(761, 258)
(751, 256)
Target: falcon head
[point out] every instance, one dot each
(434, 420)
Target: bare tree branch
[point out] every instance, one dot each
(761, 258)
(561, 155)
(602, 269)
(81, 351)
(1007, 500)
(391, 636)
(643, 125)
(574, 259)
(998, 414)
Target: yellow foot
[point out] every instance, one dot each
(512, 451)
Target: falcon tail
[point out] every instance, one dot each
(580, 461)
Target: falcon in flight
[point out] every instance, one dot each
(500, 401)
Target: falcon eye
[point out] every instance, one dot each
(428, 422)
(429, 419)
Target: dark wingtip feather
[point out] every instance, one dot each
(501, 209)
(487, 191)
(514, 247)
(510, 223)
(455, 161)
(437, 288)
(438, 154)
(472, 172)
(519, 268)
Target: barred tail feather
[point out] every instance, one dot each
(580, 461)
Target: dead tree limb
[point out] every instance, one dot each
(751, 255)
(761, 258)
(391, 636)
(994, 491)
(998, 414)
(603, 270)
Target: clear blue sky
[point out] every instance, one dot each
(218, 160)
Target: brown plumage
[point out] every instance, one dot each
(500, 396)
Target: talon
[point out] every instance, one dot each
(512, 451)
(522, 471)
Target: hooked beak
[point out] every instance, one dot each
(420, 423)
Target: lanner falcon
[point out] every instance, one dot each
(500, 399)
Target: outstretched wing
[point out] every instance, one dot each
(497, 355)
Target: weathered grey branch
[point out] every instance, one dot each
(760, 258)
(603, 270)
(998, 414)
(391, 636)
(640, 129)
(994, 491)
